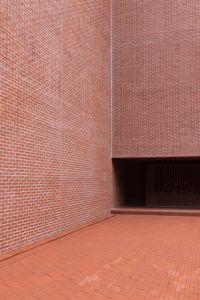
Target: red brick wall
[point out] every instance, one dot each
(156, 78)
(55, 167)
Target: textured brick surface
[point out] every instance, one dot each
(126, 257)
(55, 168)
(156, 73)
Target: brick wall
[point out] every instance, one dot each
(156, 73)
(55, 162)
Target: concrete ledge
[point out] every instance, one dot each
(157, 211)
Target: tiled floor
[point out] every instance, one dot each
(126, 257)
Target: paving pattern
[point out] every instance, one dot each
(125, 257)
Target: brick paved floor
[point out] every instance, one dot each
(125, 257)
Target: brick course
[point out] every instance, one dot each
(55, 165)
(156, 77)
(55, 151)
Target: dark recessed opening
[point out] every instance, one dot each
(158, 183)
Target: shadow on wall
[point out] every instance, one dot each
(130, 179)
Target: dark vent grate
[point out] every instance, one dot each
(171, 184)
(178, 179)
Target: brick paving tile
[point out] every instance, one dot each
(125, 257)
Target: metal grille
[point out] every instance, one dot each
(178, 179)
(173, 184)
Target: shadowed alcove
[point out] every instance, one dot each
(161, 183)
